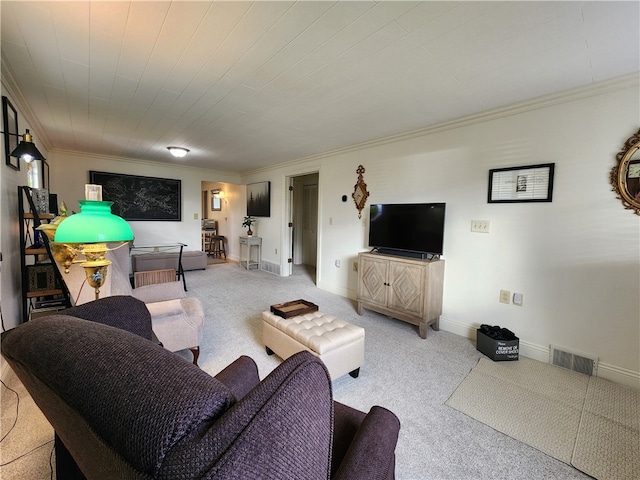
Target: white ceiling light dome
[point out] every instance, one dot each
(178, 151)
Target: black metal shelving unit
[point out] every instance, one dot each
(43, 288)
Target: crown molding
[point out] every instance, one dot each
(151, 163)
(592, 90)
(21, 104)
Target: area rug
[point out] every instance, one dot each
(587, 422)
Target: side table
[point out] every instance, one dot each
(250, 242)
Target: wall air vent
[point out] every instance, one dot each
(270, 267)
(578, 362)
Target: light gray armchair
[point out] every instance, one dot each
(176, 318)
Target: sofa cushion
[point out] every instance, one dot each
(121, 311)
(159, 406)
(280, 430)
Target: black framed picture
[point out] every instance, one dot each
(10, 124)
(259, 199)
(531, 183)
(41, 278)
(139, 198)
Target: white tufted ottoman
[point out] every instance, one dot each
(337, 343)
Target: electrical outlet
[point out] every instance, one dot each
(195, 216)
(480, 226)
(355, 266)
(276, 251)
(505, 296)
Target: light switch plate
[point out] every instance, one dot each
(517, 299)
(480, 226)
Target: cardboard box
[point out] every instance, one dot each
(497, 350)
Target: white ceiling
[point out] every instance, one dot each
(246, 85)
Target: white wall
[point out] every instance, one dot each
(576, 259)
(70, 172)
(10, 179)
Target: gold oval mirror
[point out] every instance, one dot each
(625, 176)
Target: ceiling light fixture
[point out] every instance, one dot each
(178, 151)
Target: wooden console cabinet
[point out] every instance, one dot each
(404, 288)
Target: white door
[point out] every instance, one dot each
(290, 236)
(310, 224)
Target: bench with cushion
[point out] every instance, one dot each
(339, 344)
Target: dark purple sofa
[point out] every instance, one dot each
(123, 407)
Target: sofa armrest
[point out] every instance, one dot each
(240, 376)
(371, 455)
(159, 292)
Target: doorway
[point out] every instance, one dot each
(303, 221)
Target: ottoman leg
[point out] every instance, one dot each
(269, 351)
(355, 373)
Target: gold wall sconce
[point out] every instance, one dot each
(360, 193)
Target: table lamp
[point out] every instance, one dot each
(88, 232)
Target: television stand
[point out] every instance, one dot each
(408, 289)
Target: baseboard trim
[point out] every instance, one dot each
(606, 371)
(620, 375)
(331, 288)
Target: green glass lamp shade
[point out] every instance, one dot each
(94, 224)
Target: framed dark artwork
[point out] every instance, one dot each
(259, 199)
(10, 126)
(139, 198)
(531, 183)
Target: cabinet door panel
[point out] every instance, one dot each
(373, 280)
(407, 288)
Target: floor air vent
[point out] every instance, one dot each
(578, 362)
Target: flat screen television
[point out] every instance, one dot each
(411, 229)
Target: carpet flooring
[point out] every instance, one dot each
(584, 421)
(411, 376)
(26, 437)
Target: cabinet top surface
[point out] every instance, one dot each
(400, 258)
